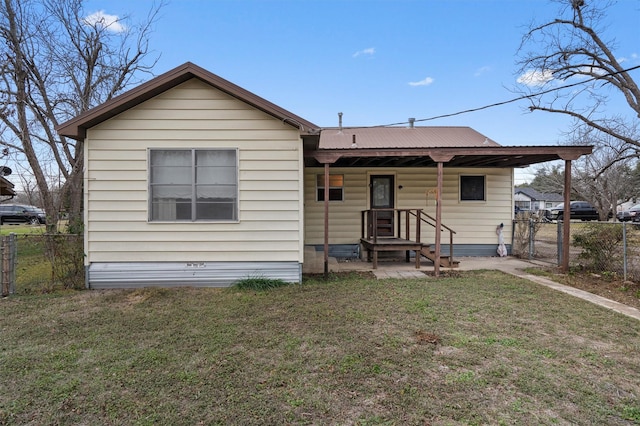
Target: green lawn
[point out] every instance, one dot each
(33, 270)
(479, 348)
(21, 229)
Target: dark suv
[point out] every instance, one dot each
(579, 210)
(19, 213)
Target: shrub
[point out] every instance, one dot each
(601, 245)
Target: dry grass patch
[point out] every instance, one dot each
(480, 348)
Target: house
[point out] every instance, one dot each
(191, 180)
(531, 200)
(7, 188)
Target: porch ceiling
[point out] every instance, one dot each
(486, 156)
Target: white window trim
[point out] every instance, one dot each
(149, 192)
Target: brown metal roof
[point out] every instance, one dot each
(76, 127)
(374, 146)
(402, 137)
(425, 147)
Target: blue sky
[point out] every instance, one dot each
(377, 61)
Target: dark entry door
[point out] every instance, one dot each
(382, 197)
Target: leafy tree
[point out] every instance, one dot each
(603, 188)
(549, 178)
(59, 61)
(573, 49)
(602, 177)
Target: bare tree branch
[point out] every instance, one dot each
(572, 47)
(56, 62)
(591, 123)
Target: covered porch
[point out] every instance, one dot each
(374, 149)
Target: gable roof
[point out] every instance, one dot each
(76, 127)
(539, 196)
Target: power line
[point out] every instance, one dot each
(520, 98)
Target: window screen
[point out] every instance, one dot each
(472, 188)
(193, 184)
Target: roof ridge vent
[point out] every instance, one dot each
(412, 122)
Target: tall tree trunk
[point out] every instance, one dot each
(61, 61)
(75, 193)
(21, 78)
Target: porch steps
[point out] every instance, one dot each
(430, 253)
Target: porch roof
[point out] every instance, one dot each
(425, 147)
(6, 187)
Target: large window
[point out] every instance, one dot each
(193, 185)
(336, 187)
(472, 188)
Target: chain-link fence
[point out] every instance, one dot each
(601, 247)
(8, 264)
(46, 262)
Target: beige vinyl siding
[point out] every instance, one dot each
(344, 216)
(474, 221)
(193, 115)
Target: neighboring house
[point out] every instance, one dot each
(7, 188)
(191, 180)
(532, 200)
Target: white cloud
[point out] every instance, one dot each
(595, 70)
(482, 70)
(110, 22)
(427, 81)
(535, 77)
(368, 51)
(631, 57)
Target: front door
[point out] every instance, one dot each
(382, 197)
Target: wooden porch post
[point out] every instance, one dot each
(436, 261)
(566, 216)
(326, 221)
(440, 159)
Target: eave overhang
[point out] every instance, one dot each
(502, 156)
(6, 187)
(76, 128)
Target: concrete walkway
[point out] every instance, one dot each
(314, 264)
(517, 267)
